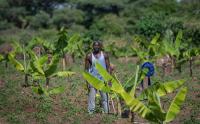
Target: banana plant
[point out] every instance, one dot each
(47, 46)
(41, 90)
(24, 66)
(172, 48)
(150, 52)
(4, 58)
(68, 44)
(152, 110)
(189, 54)
(74, 46)
(44, 70)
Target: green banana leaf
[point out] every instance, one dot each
(52, 67)
(169, 87)
(132, 92)
(108, 78)
(56, 90)
(16, 63)
(1, 57)
(39, 90)
(178, 40)
(63, 74)
(98, 84)
(36, 67)
(155, 105)
(129, 83)
(174, 108)
(42, 60)
(161, 88)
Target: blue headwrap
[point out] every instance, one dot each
(150, 68)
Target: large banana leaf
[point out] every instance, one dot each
(42, 60)
(38, 64)
(36, 67)
(108, 78)
(98, 84)
(52, 66)
(103, 72)
(56, 90)
(132, 92)
(16, 63)
(129, 83)
(136, 106)
(161, 88)
(174, 108)
(169, 87)
(155, 105)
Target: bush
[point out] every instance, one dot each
(40, 20)
(151, 24)
(110, 24)
(5, 25)
(67, 17)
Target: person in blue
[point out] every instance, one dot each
(97, 55)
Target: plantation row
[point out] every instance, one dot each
(38, 61)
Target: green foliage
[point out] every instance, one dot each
(108, 25)
(148, 52)
(151, 24)
(42, 69)
(1, 57)
(40, 20)
(153, 110)
(40, 90)
(16, 63)
(66, 17)
(72, 45)
(171, 47)
(174, 108)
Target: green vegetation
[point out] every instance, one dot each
(152, 111)
(43, 44)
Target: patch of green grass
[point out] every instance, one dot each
(44, 108)
(108, 119)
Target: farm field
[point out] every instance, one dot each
(144, 55)
(19, 105)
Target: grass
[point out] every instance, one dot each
(19, 105)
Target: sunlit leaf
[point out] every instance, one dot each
(174, 108)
